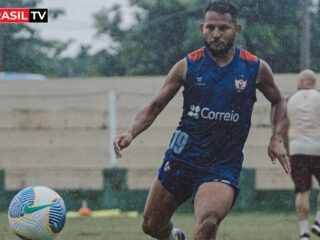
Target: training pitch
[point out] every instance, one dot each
(237, 226)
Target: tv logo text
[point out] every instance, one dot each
(23, 15)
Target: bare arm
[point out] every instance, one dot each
(286, 134)
(149, 113)
(266, 84)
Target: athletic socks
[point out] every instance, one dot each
(305, 236)
(304, 227)
(176, 234)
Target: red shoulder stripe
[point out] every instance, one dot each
(196, 55)
(245, 55)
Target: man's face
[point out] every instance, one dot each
(219, 32)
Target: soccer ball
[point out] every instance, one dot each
(37, 213)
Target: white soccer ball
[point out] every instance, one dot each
(37, 213)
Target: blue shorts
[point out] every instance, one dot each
(183, 181)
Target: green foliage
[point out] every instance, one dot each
(155, 43)
(111, 26)
(163, 32)
(86, 65)
(274, 46)
(270, 31)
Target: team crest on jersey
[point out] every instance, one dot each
(240, 84)
(167, 167)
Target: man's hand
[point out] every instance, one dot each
(276, 151)
(120, 142)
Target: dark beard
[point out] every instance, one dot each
(221, 52)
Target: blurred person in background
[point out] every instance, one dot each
(303, 113)
(204, 158)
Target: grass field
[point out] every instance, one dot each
(237, 226)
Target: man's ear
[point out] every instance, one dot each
(201, 27)
(238, 29)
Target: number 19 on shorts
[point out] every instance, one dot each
(179, 140)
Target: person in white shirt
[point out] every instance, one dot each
(303, 111)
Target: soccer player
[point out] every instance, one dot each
(304, 147)
(204, 157)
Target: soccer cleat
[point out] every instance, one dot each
(178, 234)
(305, 236)
(315, 229)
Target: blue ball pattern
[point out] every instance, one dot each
(57, 215)
(23, 198)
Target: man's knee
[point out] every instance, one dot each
(303, 196)
(149, 227)
(152, 227)
(302, 200)
(206, 227)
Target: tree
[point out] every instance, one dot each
(315, 36)
(270, 31)
(166, 30)
(156, 42)
(86, 65)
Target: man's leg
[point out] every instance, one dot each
(301, 176)
(212, 202)
(302, 209)
(158, 211)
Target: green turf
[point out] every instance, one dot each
(237, 226)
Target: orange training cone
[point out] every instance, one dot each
(84, 211)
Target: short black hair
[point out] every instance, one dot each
(222, 7)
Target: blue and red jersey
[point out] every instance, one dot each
(217, 109)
